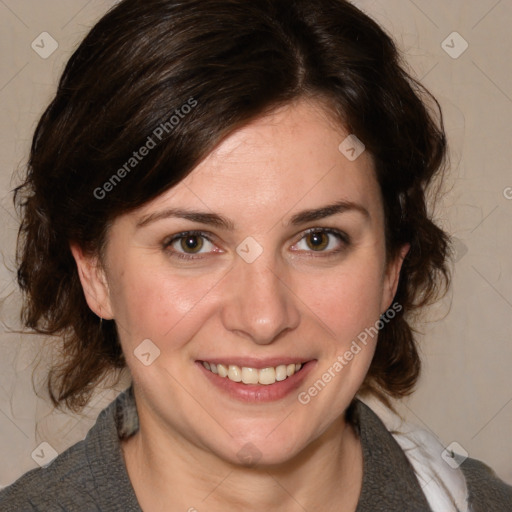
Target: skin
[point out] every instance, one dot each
(293, 300)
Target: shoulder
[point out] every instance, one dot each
(66, 479)
(486, 490)
(473, 482)
(89, 476)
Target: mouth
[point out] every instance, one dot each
(254, 381)
(249, 375)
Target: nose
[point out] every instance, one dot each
(258, 303)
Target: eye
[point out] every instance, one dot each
(191, 245)
(188, 244)
(323, 240)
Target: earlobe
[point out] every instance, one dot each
(393, 277)
(94, 282)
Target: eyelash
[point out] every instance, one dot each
(340, 235)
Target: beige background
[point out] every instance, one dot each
(465, 394)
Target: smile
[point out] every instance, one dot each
(247, 375)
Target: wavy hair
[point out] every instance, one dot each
(239, 60)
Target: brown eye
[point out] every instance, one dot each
(317, 240)
(325, 241)
(191, 243)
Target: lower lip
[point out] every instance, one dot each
(259, 392)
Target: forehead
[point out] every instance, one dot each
(290, 159)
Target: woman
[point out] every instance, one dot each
(228, 199)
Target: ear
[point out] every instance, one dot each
(392, 277)
(94, 282)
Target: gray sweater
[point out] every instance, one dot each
(91, 475)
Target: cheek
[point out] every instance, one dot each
(348, 307)
(346, 301)
(151, 302)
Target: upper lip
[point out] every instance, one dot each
(254, 362)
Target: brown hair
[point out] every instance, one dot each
(237, 60)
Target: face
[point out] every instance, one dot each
(270, 253)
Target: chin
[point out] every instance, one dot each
(261, 452)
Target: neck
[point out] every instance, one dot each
(326, 475)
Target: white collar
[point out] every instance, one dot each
(444, 486)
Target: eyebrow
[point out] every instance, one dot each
(326, 211)
(214, 219)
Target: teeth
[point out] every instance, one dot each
(234, 373)
(281, 372)
(221, 370)
(247, 375)
(267, 376)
